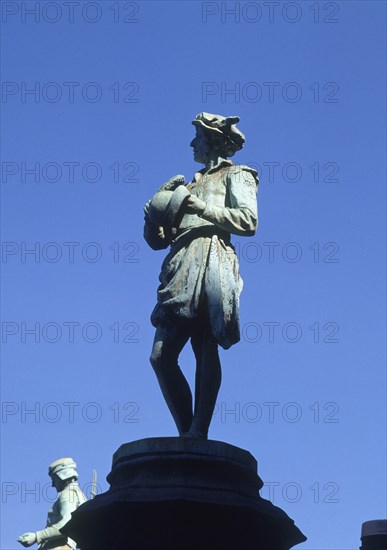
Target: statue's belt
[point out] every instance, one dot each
(202, 231)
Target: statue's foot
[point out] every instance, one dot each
(194, 434)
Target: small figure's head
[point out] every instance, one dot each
(62, 472)
(216, 134)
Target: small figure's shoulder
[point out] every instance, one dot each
(240, 169)
(70, 493)
(66, 492)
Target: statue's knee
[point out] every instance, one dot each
(160, 362)
(155, 360)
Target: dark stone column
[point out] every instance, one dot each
(182, 494)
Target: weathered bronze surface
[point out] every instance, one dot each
(200, 285)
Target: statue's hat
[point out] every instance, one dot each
(64, 468)
(223, 125)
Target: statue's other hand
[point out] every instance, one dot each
(28, 539)
(194, 205)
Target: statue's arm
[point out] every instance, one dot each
(241, 217)
(153, 235)
(68, 503)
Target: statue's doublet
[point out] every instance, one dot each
(200, 276)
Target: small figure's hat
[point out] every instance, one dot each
(234, 139)
(64, 468)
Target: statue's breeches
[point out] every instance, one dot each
(204, 273)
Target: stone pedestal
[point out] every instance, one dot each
(182, 494)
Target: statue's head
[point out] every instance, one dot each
(62, 472)
(216, 134)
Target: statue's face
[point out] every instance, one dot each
(55, 482)
(201, 146)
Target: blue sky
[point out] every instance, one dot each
(116, 85)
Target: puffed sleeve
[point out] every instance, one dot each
(240, 216)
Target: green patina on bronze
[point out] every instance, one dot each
(200, 284)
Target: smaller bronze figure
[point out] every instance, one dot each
(198, 296)
(64, 476)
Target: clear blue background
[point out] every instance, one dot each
(328, 466)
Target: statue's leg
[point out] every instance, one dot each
(167, 345)
(208, 379)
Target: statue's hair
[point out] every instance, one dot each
(221, 143)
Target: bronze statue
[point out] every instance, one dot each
(64, 476)
(198, 296)
(210, 488)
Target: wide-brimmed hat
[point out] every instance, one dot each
(166, 209)
(222, 125)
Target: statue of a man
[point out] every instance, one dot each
(198, 296)
(64, 475)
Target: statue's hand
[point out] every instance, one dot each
(28, 539)
(172, 183)
(194, 205)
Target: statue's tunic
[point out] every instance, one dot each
(200, 276)
(67, 502)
